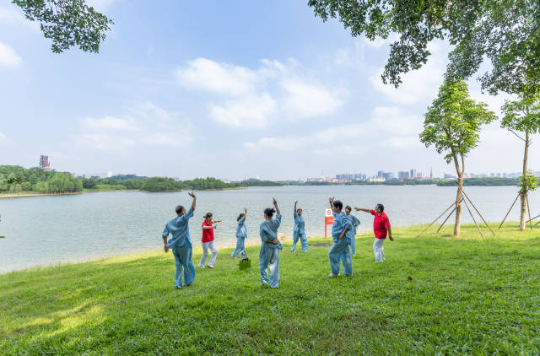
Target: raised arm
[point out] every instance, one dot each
(245, 214)
(276, 206)
(361, 209)
(194, 200)
(331, 200)
(296, 202)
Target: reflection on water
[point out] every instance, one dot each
(52, 229)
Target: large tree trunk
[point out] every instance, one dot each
(524, 193)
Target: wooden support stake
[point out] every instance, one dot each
(509, 210)
(444, 212)
(472, 216)
(538, 216)
(529, 209)
(478, 212)
(445, 220)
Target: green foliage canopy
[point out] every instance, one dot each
(522, 115)
(68, 23)
(505, 32)
(452, 123)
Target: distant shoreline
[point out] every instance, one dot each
(28, 195)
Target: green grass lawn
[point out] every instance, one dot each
(434, 295)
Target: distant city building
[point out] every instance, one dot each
(109, 174)
(449, 176)
(431, 173)
(403, 174)
(413, 173)
(44, 163)
(380, 174)
(388, 175)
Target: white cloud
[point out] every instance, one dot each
(306, 100)
(252, 111)
(419, 85)
(8, 57)
(253, 98)
(106, 142)
(387, 123)
(223, 78)
(180, 139)
(112, 123)
(3, 138)
(145, 124)
(403, 142)
(393, 120)
(100, 5)
(494, 102)
(12, 16)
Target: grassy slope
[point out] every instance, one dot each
(466, 296)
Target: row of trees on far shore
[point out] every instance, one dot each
(16, 179)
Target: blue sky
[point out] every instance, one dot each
(224, 89)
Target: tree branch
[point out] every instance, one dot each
(521, 138)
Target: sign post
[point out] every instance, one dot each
(328, 220)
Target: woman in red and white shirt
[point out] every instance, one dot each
(208, 241)
(381, 227)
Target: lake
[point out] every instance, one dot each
(55, 229)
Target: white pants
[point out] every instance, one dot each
(206, 246)
(378, 250)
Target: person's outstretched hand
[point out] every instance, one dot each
(191, 194)
(274, 201)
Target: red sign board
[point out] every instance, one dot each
(328, 220)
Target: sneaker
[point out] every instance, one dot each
(200, 266)
(187, 285)
(176, 287)
(333, 275)
(234, 258)
(211, 267)
(264, 284)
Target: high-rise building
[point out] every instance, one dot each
(413, 173)
(388, 175)
(403, 175)
(44, 163)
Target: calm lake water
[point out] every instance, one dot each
(56, 229)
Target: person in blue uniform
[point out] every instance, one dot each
(270, 247)
(180, 244)
(241, 235)
(340, 250)
(299, 231)
(352, 232)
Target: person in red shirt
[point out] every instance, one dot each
(208, 241)
(381, 228)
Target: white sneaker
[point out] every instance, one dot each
(333, 275)
(200, 266)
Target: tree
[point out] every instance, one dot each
(452, 124)
(523, 115)
(68, 23)
(505, 32)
